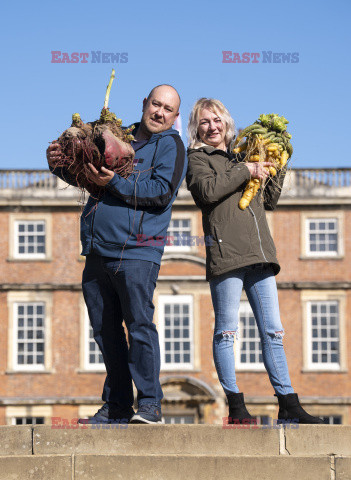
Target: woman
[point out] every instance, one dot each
(242, 254)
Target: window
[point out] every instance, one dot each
(324, 330)
(30, 239)
(30, 236)
(30, 335)
(179, 235)
(248, 347)
(322, 236)
(332, 419)
(28, 420)
(29, 341)
(179, 419)
(324, 334)
(93, 355)
(28, 414)
(176, 331)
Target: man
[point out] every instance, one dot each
(121, 269)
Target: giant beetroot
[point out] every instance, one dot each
(101, 143)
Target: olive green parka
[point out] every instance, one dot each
(239, 238)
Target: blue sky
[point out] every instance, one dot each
(179, 43)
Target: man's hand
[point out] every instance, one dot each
(259, 169)
(100, 178)
(53, 153)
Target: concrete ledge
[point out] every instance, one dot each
(156, 439)
(161, 467)
(39, 467)
(15, 440)
(174, 452)
(319, 440)
(342, 468)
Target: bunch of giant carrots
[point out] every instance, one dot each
(266, 140)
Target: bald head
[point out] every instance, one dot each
(166, 90)
(160, 110)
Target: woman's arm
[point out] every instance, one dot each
(207, 186)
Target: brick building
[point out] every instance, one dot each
(50, 365)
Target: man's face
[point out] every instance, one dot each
(160, 110)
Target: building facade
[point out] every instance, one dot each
(50, 365)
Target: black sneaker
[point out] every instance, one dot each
(109, 413)
(147, 413)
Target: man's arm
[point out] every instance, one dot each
(158, 189)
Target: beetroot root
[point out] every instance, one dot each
(101, 143)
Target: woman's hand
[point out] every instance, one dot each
(259, 169)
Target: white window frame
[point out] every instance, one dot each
(333, 416)
(13, 422)
(23, 411)
(258, 366)
(192, 217)
(306, 218)
(15, 219)
(33, 255)
(318, 366)
(312, 296)
(309, 231)
(87, 365)
(175, 299)
(182, 418)
(178, 248)
(14, 299)
(27, 366)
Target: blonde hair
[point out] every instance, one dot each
(216, 107)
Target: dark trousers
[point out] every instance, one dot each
(111, 298)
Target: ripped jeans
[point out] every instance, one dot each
(260, 286)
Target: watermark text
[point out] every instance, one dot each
(174, 241)
(72, 424)
(88, 57)
(229, 423)
(259, 57)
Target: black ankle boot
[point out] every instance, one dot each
(237, 409)
(290, 409)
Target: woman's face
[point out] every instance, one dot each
(211, 129)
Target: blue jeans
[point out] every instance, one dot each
(111, 298)
(260, 286)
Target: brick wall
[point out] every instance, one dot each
(65, 379)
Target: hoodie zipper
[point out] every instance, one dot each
(140, 229)
(92, 229)
(258, 232)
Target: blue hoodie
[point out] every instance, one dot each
(131, 218)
